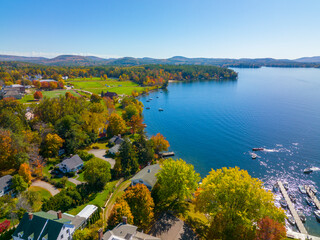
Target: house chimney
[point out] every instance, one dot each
(124, 220)
(30, 216)
(59, 214)
(100, 232)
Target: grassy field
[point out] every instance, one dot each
(96, 85)
(97, 199)
(44, 193)
(28, 98)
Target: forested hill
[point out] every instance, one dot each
(77, 60)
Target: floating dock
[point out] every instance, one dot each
(167, 154)
(293, 211)
(312, 196)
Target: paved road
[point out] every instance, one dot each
(100, 153)
(53, 190)
(75, 181)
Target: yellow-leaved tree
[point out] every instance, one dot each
(234, 203)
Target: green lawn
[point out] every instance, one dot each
(97, 199)
(96, 85)
(44, 193)
(57, 93)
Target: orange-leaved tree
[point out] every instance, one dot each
(119, 210)
(51, 145)
(141, 204)
(160, 143)
(269, 229)
(25, 173)
(38, 95)
(7, 150)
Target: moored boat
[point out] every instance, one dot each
(147, 107)
(286, 185)
(254, 156)
(147, 101)
(257, 149)
(283, 203)
(313, 189)
(160, 109)
(292, 197)
(307, 170)
(291, 220)
(302, 189)
(301, 215)
(317, 213)
(309, 201)
(275, 187)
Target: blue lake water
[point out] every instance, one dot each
(215, 124)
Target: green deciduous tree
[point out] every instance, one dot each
(128, 159)
(116, 125)
(234, 202)
(177, 182)
(18, 184)
(97, 173)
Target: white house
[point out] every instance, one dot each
(72, 164)
(146, 176)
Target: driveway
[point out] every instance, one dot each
(100, 153)
(75, 181)
(53, 190)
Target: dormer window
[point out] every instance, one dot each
(20, 234)
(31, 236)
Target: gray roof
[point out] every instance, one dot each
(148, 174)
(115, 148)
(126, 231)
(76, 221)
(116, 140)
(48, 80)
(5, 181)
(72, 162)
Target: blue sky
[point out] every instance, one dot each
(161, 28)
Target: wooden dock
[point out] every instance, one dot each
(167, 154)
(313, 196)
(293, 211)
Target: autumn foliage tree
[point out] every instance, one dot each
(120, 209)
(25, 173)
(51, 145)
(269, 229)
(37, 84)
(53, 85)
(160, 143)
(234, 202)
(37, 95)
(116, 125)
(141, 204)
(7, 150)
(136, 124)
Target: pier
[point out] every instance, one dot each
(313, 196)
(167, 154)
(293, 211)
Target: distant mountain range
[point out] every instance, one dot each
(77, 60)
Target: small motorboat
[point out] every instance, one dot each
(276, 187)
(307, 170)
(301, 215)
(313, 189)
(160, 109)
(257, 149)
(309, 201)
(317, 213)
(148, 101)
(283, 203)
(292, 197)
(286, 185)
(254, 156)
(157, 97)
(302, 189)
(291, 220)
(147, 107)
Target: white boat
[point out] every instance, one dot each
(291, 220)
(309, 201)
(254, 156)
(286, 185)
(317, 213)
(292, 197)
(301, 215)
(313, 189)
(302, 189)
(311, 169)
(283, 203)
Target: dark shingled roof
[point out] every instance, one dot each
(5, 181)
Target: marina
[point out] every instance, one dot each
(293, 211)
(313, 196)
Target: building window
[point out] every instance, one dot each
(62, 236)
